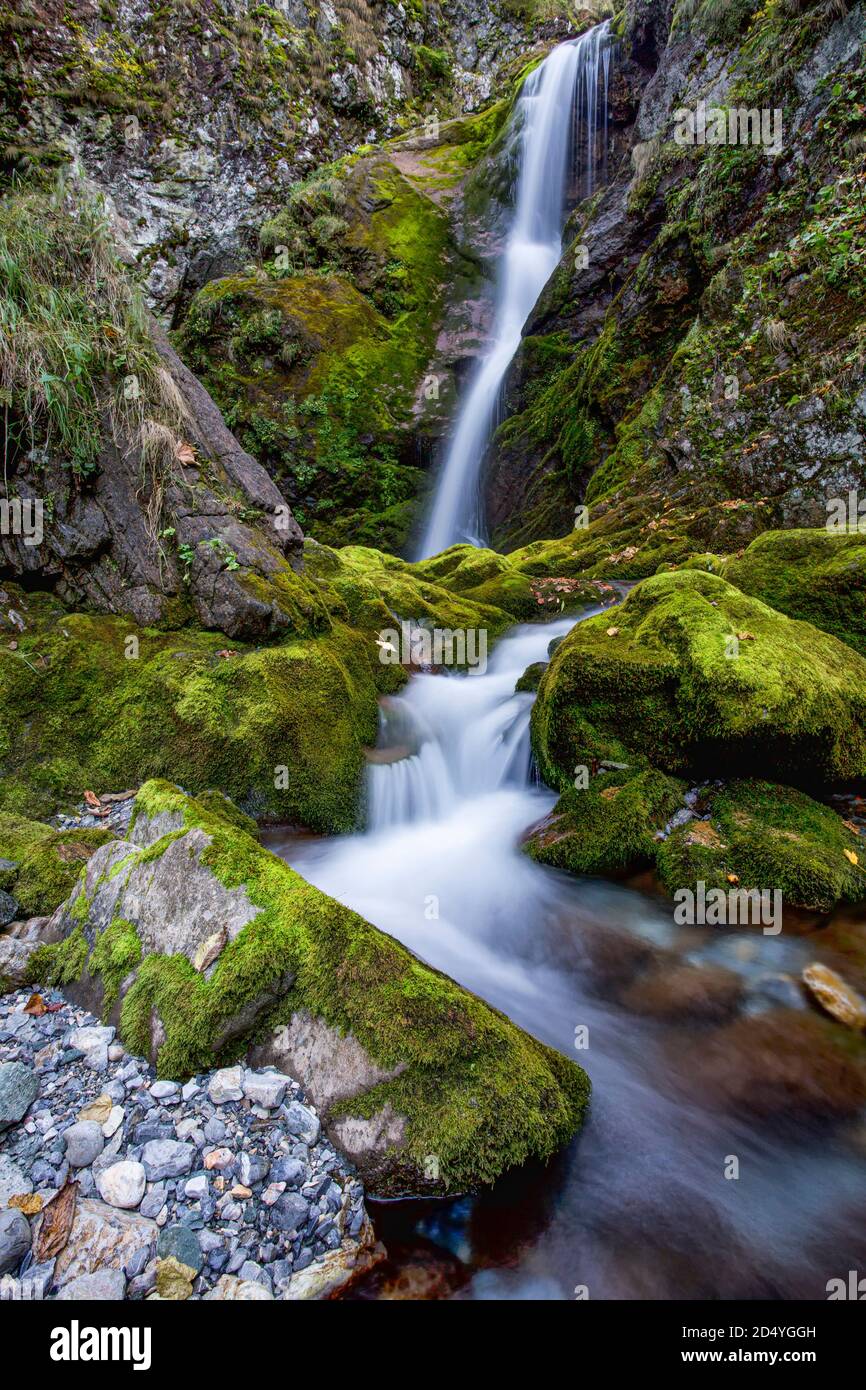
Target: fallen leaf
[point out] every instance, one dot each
(610, 792)
(30, 1203)
(56, 1224)
(225, 653)
(184, 453)
(13, 646)
(746, 636)
(36, 1006)
(855, 829)
(92, 799)
(733, 878)
(98, 1110)
(613, 632)
(851, 856)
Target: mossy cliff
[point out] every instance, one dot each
(446, 1074)
(697, 368)
(196, 118)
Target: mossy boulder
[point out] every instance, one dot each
(48, 863)
(814, 575)
(702, 680)
(762, 835)
(279, 728)
(609, 826)
(531, 584)
(427, 1068)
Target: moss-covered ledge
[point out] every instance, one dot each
(446, 1075)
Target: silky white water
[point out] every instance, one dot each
(638, 1206)
(565, 84)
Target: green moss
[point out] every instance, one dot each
(50, 869)
(460, 1056)
(768, 836)
(61, 962)
(702, 680)
(116, 953)
(815, 575)
(608, 827)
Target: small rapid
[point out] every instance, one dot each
(638, 1205)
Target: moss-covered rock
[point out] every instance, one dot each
(48, 862)
(815, 575)
(281, 729)
(702, 680)
(762, 835)
(610, 825)
(445, 1074)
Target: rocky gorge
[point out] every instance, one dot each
(312, 952)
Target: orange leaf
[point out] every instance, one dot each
(92, 799)
(36, 1006)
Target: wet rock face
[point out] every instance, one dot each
(196, 125)
(666, 299)
(102, 543)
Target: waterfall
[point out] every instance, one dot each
(566, 82)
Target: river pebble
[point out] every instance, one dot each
(225, 1182)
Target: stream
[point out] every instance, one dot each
(639, 1205)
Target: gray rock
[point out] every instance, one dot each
(14, 1239)
(84, 1142)
(288, 1170)
(122, 1185)
(12, 1181)
(289, 1212)
(105, 1285)
(8, 908)
(162, 1090)
(226, 1085)
(166, 1158)
(214, 1131)
(183, 1244)
(266, 1088)
(302, 1122)
(19, 1087)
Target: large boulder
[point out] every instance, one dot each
(816, 575)
(703, 681)
(426, 1087)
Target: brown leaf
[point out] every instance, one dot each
(184, 453)
(746, 636)
(225, 653)
(56, 1224)
(610, 792)
(36, 1006)
(733, 878)
(613, 632)
(855, 829)
(91, 798)
(98, 1110)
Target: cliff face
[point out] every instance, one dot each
(196, 118)
(693, 371)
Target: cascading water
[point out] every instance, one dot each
(639, 1207)
(567, 81)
